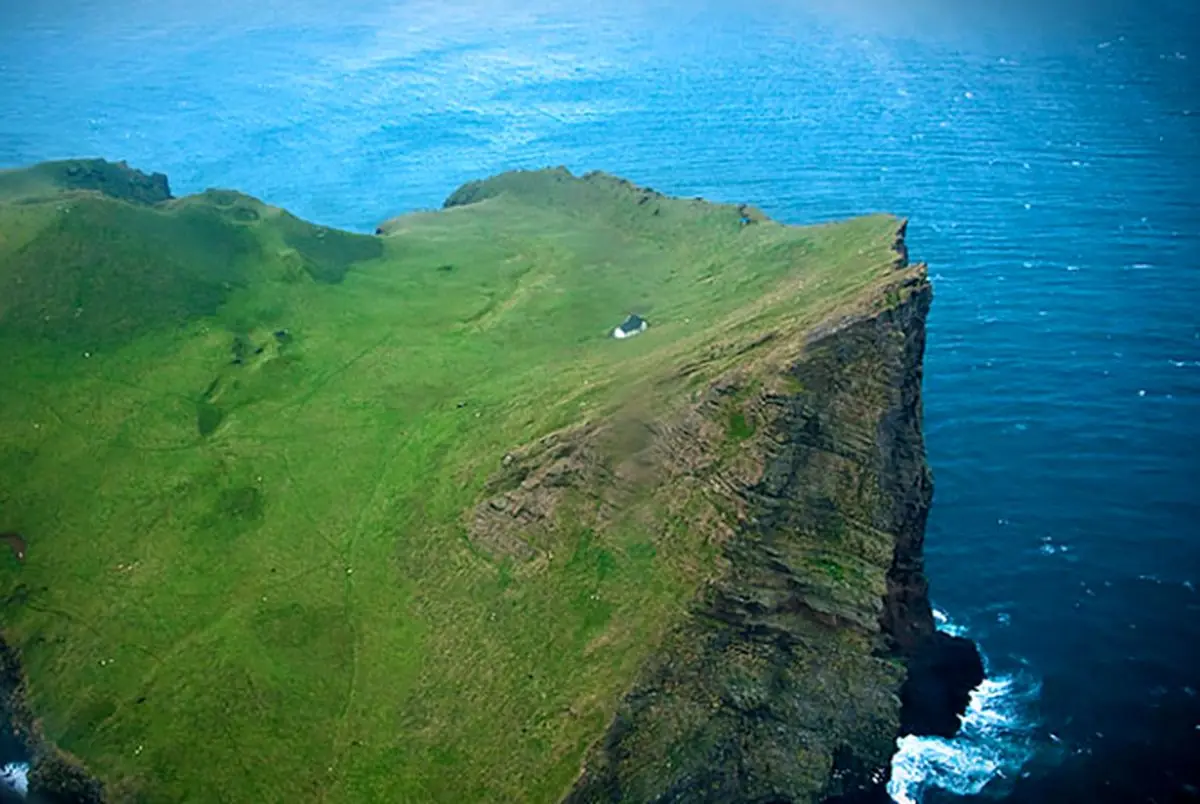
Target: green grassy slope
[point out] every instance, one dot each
(242, 450)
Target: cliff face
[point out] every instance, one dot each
(785, 683)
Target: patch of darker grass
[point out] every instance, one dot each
(639, 552)
(590, 565)
(244, 503)
(208, 418)
(831, 568)
(591, 559)
(85, 722)
(739, 427)
(16, 543)
(328, 253)
(504, 575)
(109, 271)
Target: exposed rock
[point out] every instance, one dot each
(54, 777)
(784, 684)
(115, 179)
(901, 247)
(941, 674)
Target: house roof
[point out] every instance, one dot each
(633, 322)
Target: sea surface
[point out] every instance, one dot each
(1046, 153)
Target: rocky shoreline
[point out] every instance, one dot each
(54, 777)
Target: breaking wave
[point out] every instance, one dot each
(15, 777)
(995, 741)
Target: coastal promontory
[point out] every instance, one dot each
(297, 514)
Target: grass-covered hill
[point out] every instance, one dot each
(318, 516)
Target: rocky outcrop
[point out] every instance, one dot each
(942, 671)
(114, 179)
(786, 681)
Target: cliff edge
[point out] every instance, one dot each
(787, 680)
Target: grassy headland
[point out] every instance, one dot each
(247, 454)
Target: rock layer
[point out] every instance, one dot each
(785, 683)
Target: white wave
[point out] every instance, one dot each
(15, 777)
(943, 624)
(995, 740)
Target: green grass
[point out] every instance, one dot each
(271, 551)
(833, 569)
(739, 427)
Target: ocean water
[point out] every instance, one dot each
(1047, 155)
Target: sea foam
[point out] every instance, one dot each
(995, 740)
(15, 776)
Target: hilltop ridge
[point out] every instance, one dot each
(113, 179)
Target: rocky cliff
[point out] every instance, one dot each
(787, 682)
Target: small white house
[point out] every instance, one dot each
(634, 325)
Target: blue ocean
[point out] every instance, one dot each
(1048, 158)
